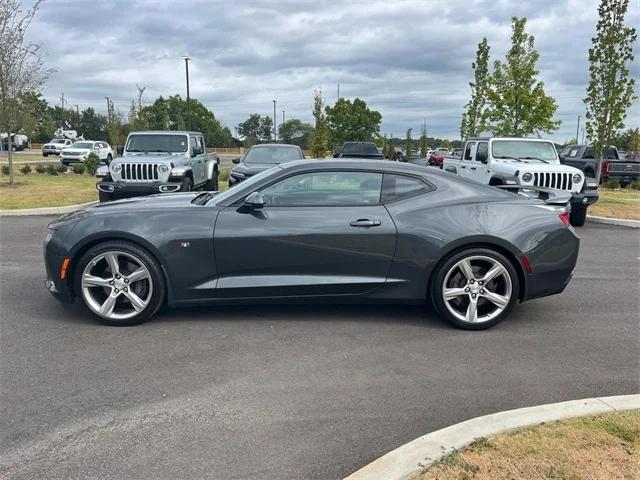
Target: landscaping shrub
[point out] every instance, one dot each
(62, 168)
(78, 169)
(223, 174)
(41, 169)
(52, 169)
(635, 185)
(91, 163)
(26, 170)
(5, 169)
(611, 184)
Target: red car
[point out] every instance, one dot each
(436, 159)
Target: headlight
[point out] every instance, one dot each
(527, 177)
(163, 168)
(577, 178)
(116, 167)
(238, 174)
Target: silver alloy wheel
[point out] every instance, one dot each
(477, 289)
(116, 285)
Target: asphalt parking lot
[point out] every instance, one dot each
(285, 392)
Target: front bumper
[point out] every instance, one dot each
(51, 152)
(54, 256)
(71, 159)
(584, 199)
(233, 180)
(123, 189)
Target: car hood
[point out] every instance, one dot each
(249, 170)
(532, 166)
(150, 157)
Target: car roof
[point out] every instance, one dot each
(271, 145)
(361, 164)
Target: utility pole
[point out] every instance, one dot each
(338, 92)
(578, 130)
(108, 109)
(186, 66)
(62, 100)
(282, 118)
(275, 121)
(78, 117)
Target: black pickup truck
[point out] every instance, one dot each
(358, 150)
(613, 166)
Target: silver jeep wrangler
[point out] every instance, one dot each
(159, 162)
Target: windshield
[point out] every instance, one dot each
(246, 185)
(271, 155)
(523, 149)
(82, 145)
(157, 143)
(57, 141)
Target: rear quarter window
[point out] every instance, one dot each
(396, 187)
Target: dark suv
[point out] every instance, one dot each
(359, 150)
(613, 167)
(262, 157)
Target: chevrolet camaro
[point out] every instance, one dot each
(317, 231)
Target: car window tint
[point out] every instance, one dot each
(468, 149)
(588, 153)
(482, 151)
(396, 187)
(326, 188)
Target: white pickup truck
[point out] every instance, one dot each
(524, 162)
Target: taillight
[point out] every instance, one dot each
(605, 168)
(565, 218)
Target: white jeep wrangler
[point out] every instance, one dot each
(524, 162)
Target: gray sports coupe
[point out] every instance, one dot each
(316, 231)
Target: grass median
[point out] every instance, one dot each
(37, 191)
(620, 203)
(603, 446)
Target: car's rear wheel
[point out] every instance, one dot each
(120, 283)
(475, 288)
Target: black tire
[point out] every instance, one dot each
(212, 184)
(589, 173)
(45, 155)
(578, 216)
(66, 164)
(187, 185)
(449, 263)
(156, 277)
(104, 196)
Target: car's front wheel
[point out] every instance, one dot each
(120, 283)
(578, 216)
(475, 288)
(187, 185)
(212, 184)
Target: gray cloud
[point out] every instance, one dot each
(409, 59)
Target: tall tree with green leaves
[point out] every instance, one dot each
(611, 89)
(409, 145)
(424, 142)
(321, 134)
(256, 129)
(295, 132)
(352, 121)
(475, 116)
(518, 103)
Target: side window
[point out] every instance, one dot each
(468, 150)
(201, 144)
(588, 153)
(482, 152)
(396, 187)
(194, 145)
(574, 152)
(325, 188)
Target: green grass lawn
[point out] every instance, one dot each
(620, 203)
(35, 190)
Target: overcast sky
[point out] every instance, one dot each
(407, 59)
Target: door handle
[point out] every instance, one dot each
(462, 166)
(473, 168)
(365, 222)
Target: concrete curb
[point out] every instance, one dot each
(410, 460)
(45, 211)
(614, 221)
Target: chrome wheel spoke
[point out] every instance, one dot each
(465, 268)
(106, 308)
(89, 280)
(498, 300)
(450, 293)
(112, 260)
(139, 274)
(136, 302)
(472, 311)
(495, 271)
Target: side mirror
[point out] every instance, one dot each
(481, 157)
(254, 201)
(236, 160)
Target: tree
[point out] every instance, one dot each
(424, 146)
(138, 114)
(475, 116)
(321, 134)
(21, 66)
(352, 121)
(93, 125)
(611, 90)
(295, 132)
(256, 129)
(409, 145)
(633, 140)
(115, 126)
(518, 104)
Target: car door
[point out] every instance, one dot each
(467, 160)
(197, 159)
(479, 170)
(319, 233)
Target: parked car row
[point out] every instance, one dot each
(614, 166)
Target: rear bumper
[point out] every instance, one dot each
(124, 190)
(552, 265)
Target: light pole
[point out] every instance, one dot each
(78, 117)
(186, 66)
(275, 121)
(108, 109)
(282, 118)
(578, 131)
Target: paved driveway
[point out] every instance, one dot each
(288, 392)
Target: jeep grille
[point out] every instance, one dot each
(557, 180)
(139, 172)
